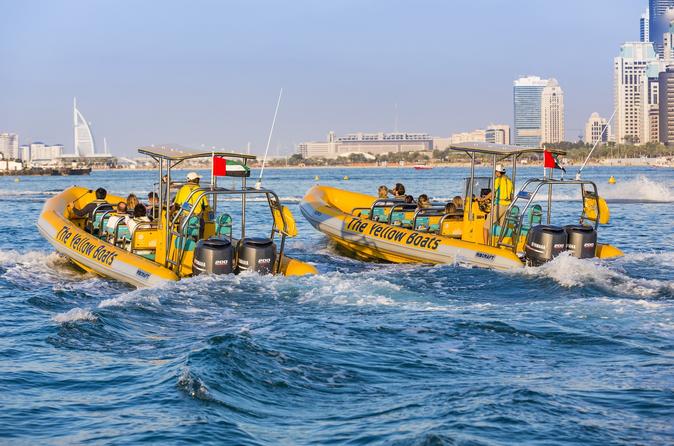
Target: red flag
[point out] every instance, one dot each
(219, 166)
(550, 161)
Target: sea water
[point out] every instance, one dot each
(574, 352)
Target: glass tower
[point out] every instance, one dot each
(527, 110)
(660, 14)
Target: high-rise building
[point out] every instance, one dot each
(596, 127)
(373, 143)
(552, 113)
(643, 27)
(660, 15)
(24, 153)
(666, 106)
(9, 145)
(40, 151)
(84, 139)
(632, 68)
(497, 134)
(527, 110)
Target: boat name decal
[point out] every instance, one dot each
(386, 232)
(85, 245)
(143, 274)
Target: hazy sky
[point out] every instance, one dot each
(202, 72)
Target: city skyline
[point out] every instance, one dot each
(216, 83)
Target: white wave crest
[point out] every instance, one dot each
(571, 272)
(75, 314)
(638, 189)
(15, 193)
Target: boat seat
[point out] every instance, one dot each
(399, 218)
(144, 240)
(223, 226)
(422, 224)
(511, 221)
(533, 217)
(378, 214)
(98, 214)
(188, 240)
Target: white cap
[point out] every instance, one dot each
(500, 168)
(193, 176)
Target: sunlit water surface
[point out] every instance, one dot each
(575, 352)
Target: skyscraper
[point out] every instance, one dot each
(527, 110)
(660, 15)
(552, 113)
(596, 127)
(666, 106)
(644, 35)
(631, 70)
(9, 146)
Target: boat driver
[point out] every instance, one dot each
(501, 197)
(185, 191)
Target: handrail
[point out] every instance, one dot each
(402, 207)
(530, 195)
(223, 191)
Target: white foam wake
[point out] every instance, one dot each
(571, 272)
(75, 314)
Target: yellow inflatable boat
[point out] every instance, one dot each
(391, 230)
(176, 244)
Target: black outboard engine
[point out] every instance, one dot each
(581, 240)
(213, 256)
(256, 254)
(544, 242)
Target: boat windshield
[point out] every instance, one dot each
(481, 186)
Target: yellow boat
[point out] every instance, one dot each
(177, 244)
(390, 230)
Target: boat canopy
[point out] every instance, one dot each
(504, 150)
(174, 154)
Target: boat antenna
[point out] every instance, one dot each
(599, 138)
(258, 185)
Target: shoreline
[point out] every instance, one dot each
(607, 163)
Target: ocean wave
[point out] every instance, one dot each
(19, 193)
(571, 272)
(75, 314)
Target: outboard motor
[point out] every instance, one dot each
(213, 256)
(544, 242)
(256, 254)
(581, 240)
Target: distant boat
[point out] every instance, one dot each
(423, 167)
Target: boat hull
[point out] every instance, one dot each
(325, 209)
(91, 253)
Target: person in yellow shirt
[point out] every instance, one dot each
(501, 197)
(198, 200)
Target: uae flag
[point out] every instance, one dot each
(551, 162)
(228, 168)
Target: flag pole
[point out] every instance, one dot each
(258, 185)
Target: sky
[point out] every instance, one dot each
(209, 72)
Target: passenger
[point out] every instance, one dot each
(196, 199)
(501, 198)
(398, 191)
(458, 202)
(452, 211)
(131, 202)
(153, 205)
(88, 210)
(423, 202)
(409, 199)
(139, 216)
(119, 215)
(383, 192)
